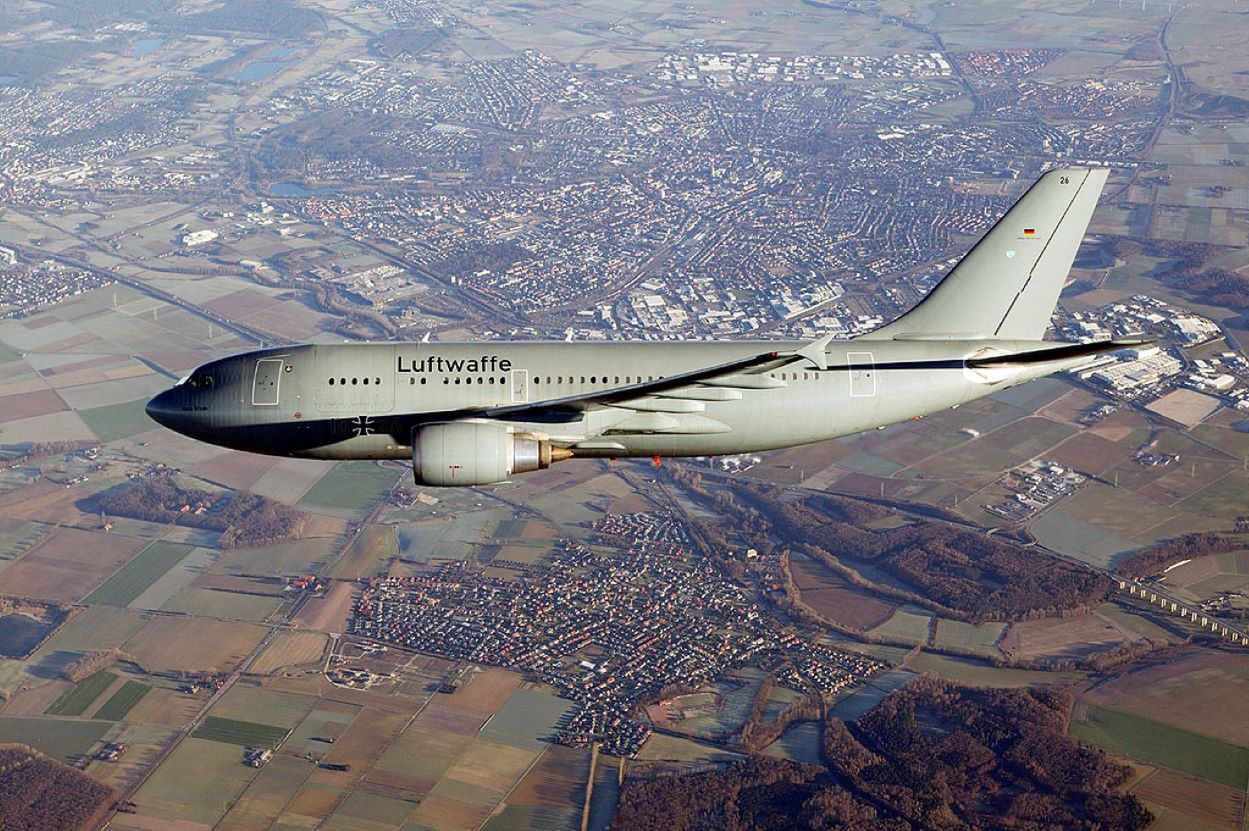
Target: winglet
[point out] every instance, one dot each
(816, 352)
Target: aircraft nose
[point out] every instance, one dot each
(165, 409)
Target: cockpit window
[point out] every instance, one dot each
(200, 380)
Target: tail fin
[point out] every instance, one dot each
(1008, 284)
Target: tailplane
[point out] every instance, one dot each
(1008, 284)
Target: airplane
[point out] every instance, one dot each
(479, 413)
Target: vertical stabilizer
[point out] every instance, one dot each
(1008, 284)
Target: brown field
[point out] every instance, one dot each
(835, 599)
(1069, 406)
(45, 501)
(193, 645)
(238, 471)
(1089, 453)
(35, 701)
(30, 404)
(290, 479)
(69, 564)
(1063, 637)
(165, 706)
(446, 814)
(490, 765)
(328, 613)
(289, 649)
(241, 302)
(1218, 805)
(487, 691)
(368, 734)
(1213, 686)
(313, 802)
(557, 779)
(440, 714)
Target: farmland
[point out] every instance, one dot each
(132, 579)
(350, 487)
(118, 421)
(1160, 744)
(76, 700)
(244, 733)
(120, 703)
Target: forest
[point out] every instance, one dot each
(243, 518)
(41, 794)
(931, 755)
(960, 571)
(1153, 559)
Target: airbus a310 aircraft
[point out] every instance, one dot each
(479, 413)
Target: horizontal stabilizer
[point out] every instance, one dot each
(1057, 354)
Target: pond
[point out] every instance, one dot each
(296, 189)
(259, 70)
(147, 46)
(20, 634)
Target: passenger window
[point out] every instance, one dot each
(331, 382)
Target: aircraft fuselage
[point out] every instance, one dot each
(362, 401)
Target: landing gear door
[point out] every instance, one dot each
(862, 374)
(267, 383)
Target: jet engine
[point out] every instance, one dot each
(477, 453)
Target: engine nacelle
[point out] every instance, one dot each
(463, 453)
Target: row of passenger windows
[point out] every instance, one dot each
(342, 382)
(549, 379)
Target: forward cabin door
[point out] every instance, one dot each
(267, 383)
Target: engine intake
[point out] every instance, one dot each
(459, 453)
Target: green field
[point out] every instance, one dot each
(134, 578)
(1160, 744)
(120, 703)
(245, 733)
(75, 700)
(118, 421)
(58, 738)
(981, 639)
(350, 487)
(8, 353)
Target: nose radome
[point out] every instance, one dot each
(163, 410)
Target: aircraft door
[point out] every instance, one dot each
(267, 382)
(862, 368)
(520, 386)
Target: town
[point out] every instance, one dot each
(609, 624)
